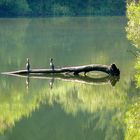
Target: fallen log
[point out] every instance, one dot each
(111, 70)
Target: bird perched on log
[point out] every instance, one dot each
(28, 65)
(51, 64)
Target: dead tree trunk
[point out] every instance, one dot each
(111, 70)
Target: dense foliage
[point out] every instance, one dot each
(61, 7)
(133, 122)
(133, 34)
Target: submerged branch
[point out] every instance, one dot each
(71, 78)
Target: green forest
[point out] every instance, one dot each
(16, 8)
(133, 34)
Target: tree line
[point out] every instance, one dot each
(61, 7)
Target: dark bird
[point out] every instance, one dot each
(28, 65)
(51, 64)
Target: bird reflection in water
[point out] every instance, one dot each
(51, 82)
(27, 83)
(108, 79)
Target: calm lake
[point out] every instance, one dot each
(60, 109)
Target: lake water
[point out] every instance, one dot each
(59, 109)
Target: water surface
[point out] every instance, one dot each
(58, 109)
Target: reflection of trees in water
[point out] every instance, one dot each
(132, 120)
(132, 116)
(108, 123)
(55, 124)
(55, 37)
(102, 106)
(12, 32)
(72, 97)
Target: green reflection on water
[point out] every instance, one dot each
(69, 110)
